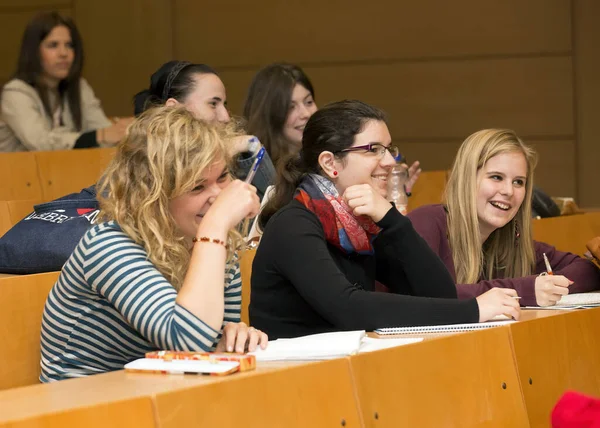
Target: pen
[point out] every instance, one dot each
(252, 173)
(548, 267)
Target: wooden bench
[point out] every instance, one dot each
(11, 212)
(22, 300)
(429, 189)
(64, 172)
(19, 177)
(246, 273)
(567, 233)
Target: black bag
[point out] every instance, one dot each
(542, 205)
(45, 239)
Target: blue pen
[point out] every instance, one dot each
(252, 173)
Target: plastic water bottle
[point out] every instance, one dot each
(396, 182)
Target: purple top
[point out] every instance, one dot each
(430, 222)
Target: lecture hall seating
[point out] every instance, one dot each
(567, 233)
(22, 300)
(19, 177)
(49, 175)
(64, 172)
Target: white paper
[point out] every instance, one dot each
(573, 301)
(579, 299)
(370, 344)
(324, 346)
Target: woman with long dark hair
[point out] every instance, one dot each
(48, 105)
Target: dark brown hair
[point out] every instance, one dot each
(332, 128)
(268, 104)
(29, 66)
(174, 79)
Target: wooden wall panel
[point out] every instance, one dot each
(556, 172)
(587, 107)
(352, 30)
(446, 99)
(13, 21)
(125, 42)
(34, 4)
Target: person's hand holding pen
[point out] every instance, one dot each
(498, 301)
(549, 288)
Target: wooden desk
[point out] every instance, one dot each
(462, 374)
(275, 394)
(47, 400)
(458, 380)
(556, 351)
(305, 395)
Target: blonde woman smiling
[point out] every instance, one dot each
(160, 271)
(483, 233)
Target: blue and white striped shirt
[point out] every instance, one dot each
(111, 305)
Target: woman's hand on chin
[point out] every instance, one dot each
(363, 199)
(236, 202)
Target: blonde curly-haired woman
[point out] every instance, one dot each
(159, 270)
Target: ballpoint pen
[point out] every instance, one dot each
(255, 165)
(548, 267)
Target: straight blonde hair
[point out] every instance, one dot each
(163, 156)
(508, 252)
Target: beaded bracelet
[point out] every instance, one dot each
(213, 240)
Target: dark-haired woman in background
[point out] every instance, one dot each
(200, 90)
(48, 105)
(330, 234)
(280, 100)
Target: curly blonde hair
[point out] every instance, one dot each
(503, 250)
(163, 156)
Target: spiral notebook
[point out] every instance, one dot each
(440, 329)
(573, 301)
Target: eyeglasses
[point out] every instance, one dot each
(377, 149)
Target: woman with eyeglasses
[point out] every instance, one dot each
(330, 234)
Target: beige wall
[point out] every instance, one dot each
(440, 69)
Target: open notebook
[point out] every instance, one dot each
(574, 301)
(440, 329)
(326, 346)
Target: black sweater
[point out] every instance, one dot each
(302, 285)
